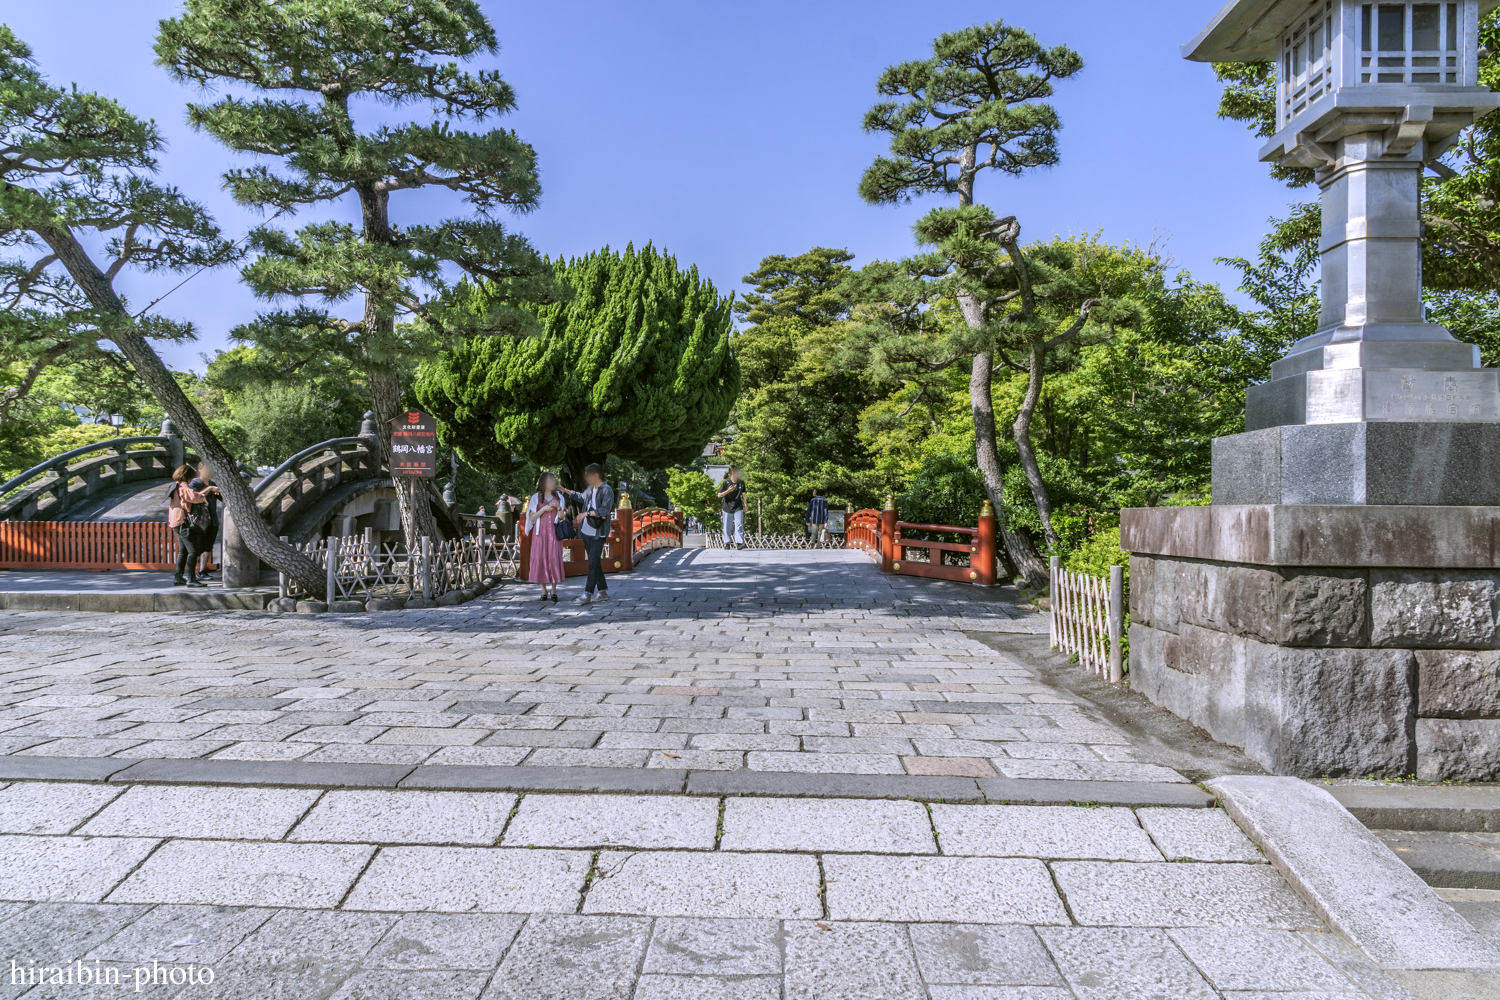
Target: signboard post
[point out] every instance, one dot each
(414, 445)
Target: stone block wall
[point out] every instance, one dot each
(1336, 671)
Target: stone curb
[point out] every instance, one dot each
(106, 603)
(1350, 878)
(1421, 807)
(287, 605)
(658, 781)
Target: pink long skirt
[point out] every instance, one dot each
(546, 553)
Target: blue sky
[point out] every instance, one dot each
(724, 132)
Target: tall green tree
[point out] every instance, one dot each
(978, 103)
(77, 198)
(637, 365)
(797, 419)
(315, 64)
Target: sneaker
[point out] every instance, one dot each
(179, 582)
(585, 599)
(196, 583)
(603, 595)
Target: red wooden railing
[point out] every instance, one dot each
(879, 533)
(645, 530)
(87, 545)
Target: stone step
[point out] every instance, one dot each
(1454, 808)
(1448, 860)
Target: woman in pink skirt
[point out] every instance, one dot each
(546, 566)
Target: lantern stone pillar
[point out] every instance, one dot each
(1337, 609)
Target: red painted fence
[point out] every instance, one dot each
(87, 545)
(879, 533)
(647, 531)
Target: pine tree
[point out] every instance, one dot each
(75, 173)
(979, 103)
(637, 365)
(316, 63)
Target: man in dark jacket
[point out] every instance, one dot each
(598, 503)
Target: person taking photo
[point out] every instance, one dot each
(598, 503)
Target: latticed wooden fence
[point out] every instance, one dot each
(715, 540)
(1088, 618)
(357, 567)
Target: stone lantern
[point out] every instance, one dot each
(1336, 610)
(1366, 94)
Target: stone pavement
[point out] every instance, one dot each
(449, 804)
(806, 663)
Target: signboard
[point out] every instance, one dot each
(414, 445)
(836, 522)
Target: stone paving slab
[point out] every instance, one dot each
(976, 890)
(614, 821)
(407, 817)
(1190, 894)
(229, 873)
(51, 807)
(681, 884)
(74, 869)
(1197, 835)
(462, 879)
(1110, 834)
(834, 825)
(218, 813)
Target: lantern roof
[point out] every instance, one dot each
(1248, 30)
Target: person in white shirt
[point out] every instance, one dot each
(593, 527)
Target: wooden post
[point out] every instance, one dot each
(524, 553)
(625, 525)
(888, 536)
(281, 583)
(331, 565)
(1054, 595)
(983, 552)
(481, 556)
(426, 567)
(1116, 623)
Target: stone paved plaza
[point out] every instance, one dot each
(750, 775)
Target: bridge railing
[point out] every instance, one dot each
(87, 545)
(632, 535)
(891, 542)
(46, 491)
(294, 484)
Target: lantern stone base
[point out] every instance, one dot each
(1324, 640)
(1432, 463)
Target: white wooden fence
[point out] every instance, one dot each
(715, 540)
(1088, 617)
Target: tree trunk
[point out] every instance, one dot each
(1022, 553)
(1022, 431)
(574, 462)
(417, 520)
(125, 334)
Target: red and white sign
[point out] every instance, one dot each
(414, 445)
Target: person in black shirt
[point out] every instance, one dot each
(732, 509)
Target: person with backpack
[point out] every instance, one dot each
(598, 502)
(732, 509)
(187, 516)
(210, 531)
(544, 512)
